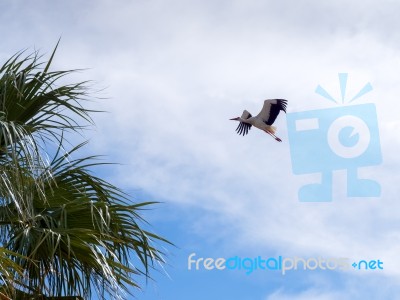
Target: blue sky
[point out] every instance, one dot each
(174, 72)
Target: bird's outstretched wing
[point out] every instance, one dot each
(243, 128)
(271, 110)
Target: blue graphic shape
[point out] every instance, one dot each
(322, 141)
(348, 137)
(322, 92)
(343, 84)
(357, 187)
(366, 89)
(317, 192)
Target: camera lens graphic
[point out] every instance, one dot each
(348, 136)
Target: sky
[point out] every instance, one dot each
(170, 75)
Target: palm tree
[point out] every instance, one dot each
(65, 232)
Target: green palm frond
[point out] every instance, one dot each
(30, 95)
(10, 271)
(33, 109)
(65, 231)
(84, 234)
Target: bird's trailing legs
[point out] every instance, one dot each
(273, 135)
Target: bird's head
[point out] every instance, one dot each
(235, 119)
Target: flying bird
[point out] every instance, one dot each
(264, 119)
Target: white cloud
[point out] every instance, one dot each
(308, 295)
(171, 102)
(368, 287)
(178, 71)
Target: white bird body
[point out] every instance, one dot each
(264, 119)
(258, 123)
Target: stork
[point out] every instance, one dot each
(264, 119)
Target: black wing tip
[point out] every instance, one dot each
(243, 128)
(283, 104)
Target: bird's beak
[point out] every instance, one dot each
(234, 119)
